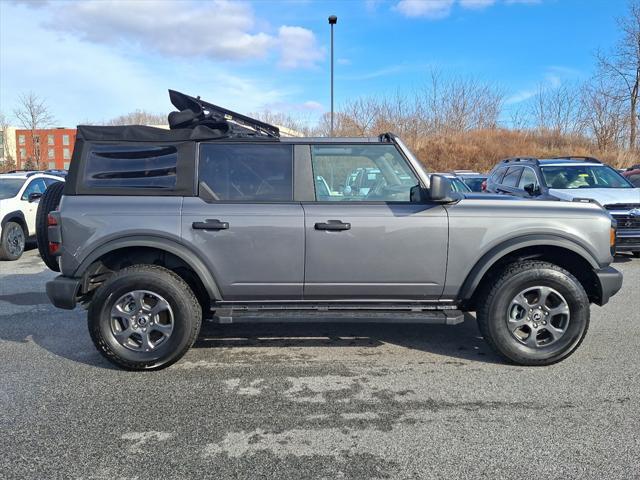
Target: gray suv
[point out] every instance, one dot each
(220, 217)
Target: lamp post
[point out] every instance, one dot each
(332, 21)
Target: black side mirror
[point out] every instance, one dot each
(34, 196)
(440, 190)
(531, 189)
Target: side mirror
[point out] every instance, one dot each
(440, 189)
(531, 189)
(34, 197)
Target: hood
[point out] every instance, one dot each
(604, 196)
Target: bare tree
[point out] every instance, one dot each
(557, 110)
(139, 117)
(622, 66)
(603, 115)
(33, 114)
(7, 161)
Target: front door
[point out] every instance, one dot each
(37, 185)
(365, 240)
(244, 223)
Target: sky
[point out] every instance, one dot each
(95, 60)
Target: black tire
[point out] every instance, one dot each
(636, 254)
(48, 202)
(186, 311)
(496, 304)
(12, 241)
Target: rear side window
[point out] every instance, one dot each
(152, 167)
(512, 177)
(496, 176)
(246, 173)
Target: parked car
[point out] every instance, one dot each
(474, 180)
(457, 185)
(218, 216)
(20, 192)
(633, 175)
(574, 178)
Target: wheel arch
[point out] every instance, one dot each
(18, 217)
(565, 253)
(152, 250)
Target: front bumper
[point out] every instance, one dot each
(610, 282)
(63, 291)
(628, 240)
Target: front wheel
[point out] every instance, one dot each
(12, 241)
(534, 313)
(144, 317)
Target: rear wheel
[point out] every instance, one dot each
(534, 313)
(12, 241)
(48, 202)
(144, 317)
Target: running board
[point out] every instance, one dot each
(430, 317)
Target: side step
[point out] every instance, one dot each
(432, 317)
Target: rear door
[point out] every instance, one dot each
(509, 183)
(29, 208)
(244, 223)
(373, 243)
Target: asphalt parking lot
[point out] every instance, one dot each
(348, 402)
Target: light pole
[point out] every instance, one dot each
(332, 21)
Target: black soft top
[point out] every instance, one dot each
(195, 120)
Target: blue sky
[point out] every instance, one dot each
(92, 61)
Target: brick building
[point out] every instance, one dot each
(54, 144)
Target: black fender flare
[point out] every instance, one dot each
(499, 251)
(20, 216)
(161, 243)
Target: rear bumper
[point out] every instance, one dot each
(63, 292)
(610, 281)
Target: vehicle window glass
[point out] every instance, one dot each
(511, 177)
(458, 185)
(36, 185)
(111, 166)
(497, 175)
(361, 173)
(528, 177)
(583, 176)
(9, 187)
(249, 173)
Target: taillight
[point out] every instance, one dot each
(54, 247)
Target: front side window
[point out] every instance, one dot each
(35, 186)
(512, 177)
(110, 166)
(528, 178)
(361, 173)
(246, 173)
(583, 176)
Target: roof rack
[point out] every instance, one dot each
(193, 112)
(576, 157)
(520, 159)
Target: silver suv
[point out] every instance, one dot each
(220, 217)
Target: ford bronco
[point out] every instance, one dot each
(220, 217)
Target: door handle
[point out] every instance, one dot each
(333, 225)
(210, 224)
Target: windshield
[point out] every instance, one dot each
(583, 176)
(458, 185)
(9, 187)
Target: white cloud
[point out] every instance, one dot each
(298, 47)
(438, 9)
(476, 4)
(433, 9)
(217, 29)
